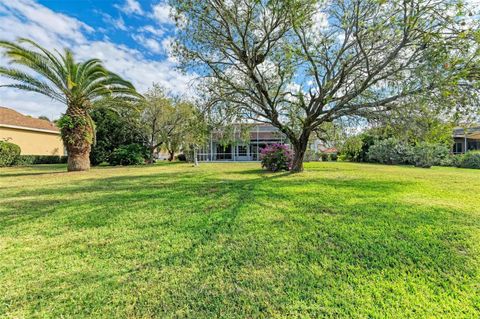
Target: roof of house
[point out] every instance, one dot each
(472, 132)
(330, 150)
(13, 119)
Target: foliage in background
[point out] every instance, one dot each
(353, 58)
(390, 151)
(133, 154)
(311, 156)
(356, 147)
(114, 128)
(169, 123)
(24, 160)
(276, 157)
(416, 122)
(9, 152)
(426, 155)
(468, 160)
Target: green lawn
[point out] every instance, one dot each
(340, 240)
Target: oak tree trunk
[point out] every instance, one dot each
(151, 155)
(299, 149)
(170, 156)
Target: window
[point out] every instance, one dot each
(458, 147)
(241, 150)
(473, 145)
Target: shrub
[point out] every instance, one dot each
(23, 160)
(469, 160)
(451, 160)
(324, 157)
(352, 149)
(333, 157)
(9, 153)
(276, 157)
(390, 151)
(355, 148)
(113, 130)
(423, 155)
(132, 154)
(181, 157)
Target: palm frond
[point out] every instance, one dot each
(33, 60)
(61, 77)
(30, 88)
(30, 81)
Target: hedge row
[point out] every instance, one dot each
(23, 160)
(392, 151)
(10, 156)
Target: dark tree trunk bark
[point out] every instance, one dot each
(78, 160)
(77, 135)
(150, 158)
(170, 157)
(299, 149)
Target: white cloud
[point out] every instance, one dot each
(153, 30)
(18, 20)
(118, 23)
(161, 13)
(26, 18)
(131, 7)
(149, 43)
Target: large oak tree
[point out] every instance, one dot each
(299, 64)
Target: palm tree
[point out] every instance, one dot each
(78, 85)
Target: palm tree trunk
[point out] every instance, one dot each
(78, 160)
(77, 135)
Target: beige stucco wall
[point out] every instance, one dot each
(32, 142)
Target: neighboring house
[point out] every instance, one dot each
(243, 148)
(319, 146)
(466, 139)
(34, 136)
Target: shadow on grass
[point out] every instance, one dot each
(226, 228)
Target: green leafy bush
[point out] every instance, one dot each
(390, 151)
(132, 154)
(276, 157)
(355, 148)
(333, 157)
(426, 155)
(324, 157)
(423, 155)
(114, 129)
(451, 160)
(352, 149)
(9, 153)
(469, 160)
(24, 160)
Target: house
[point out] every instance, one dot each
(466, 139)
(318, 146)
(34, 136)
(244, 144)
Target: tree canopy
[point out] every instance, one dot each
(298, 64)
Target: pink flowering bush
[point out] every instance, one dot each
(276, 157)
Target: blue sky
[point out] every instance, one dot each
(132, 37)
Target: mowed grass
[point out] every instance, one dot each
(339, 240)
